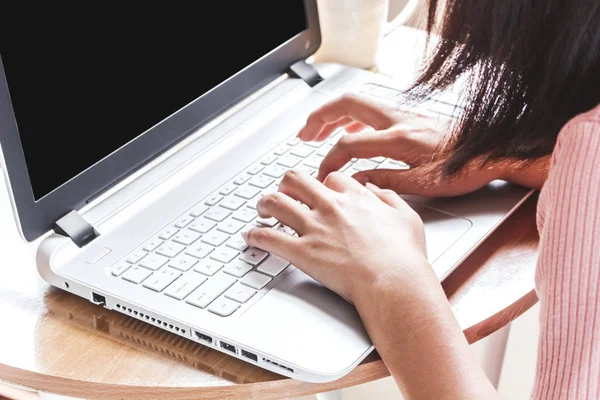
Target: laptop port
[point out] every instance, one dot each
(96, 298)
(203, 337)
(227, 347)
(249, 355)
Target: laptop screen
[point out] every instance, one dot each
(89, 80)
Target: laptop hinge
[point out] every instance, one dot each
(307, 72)
(78, 229)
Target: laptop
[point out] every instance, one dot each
(136, 144)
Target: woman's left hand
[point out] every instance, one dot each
(350, 237)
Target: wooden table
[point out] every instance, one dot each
(56, 342)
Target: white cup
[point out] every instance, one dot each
(352, 30)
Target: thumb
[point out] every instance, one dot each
(405, 181)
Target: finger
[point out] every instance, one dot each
(408, 181)
(340, 182)
(388, 196)
(284, 209)
(358, 145)
(355, 127)
(304, 188)
(329, 129)
(358, 108)
(275, 242)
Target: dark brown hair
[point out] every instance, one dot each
(532, 66)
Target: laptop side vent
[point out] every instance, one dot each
(277, 364)
(150, 319)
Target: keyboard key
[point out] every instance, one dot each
(199, 250)
(232, 203)
(281, 150)
(120, 268)
(302, 151)
(247, 192)
(183, 262)
(255, 169)
(273, 265)
(186, 237)
(286, 229)
(316, 145)
(202, 225)
(350, 171)
(185, 285)
(215, 238)
(289, 161)
(256, 280)
(238, 268)
(153, 261)
(313, 161)
(217, 214)
(270, 222)
(227, 189)
(214, 199)
(223, 307)
(136, 274)
(389, 164)
(208, 267)
(378, 160)
(254, 256)
(210, 290)
(294, 141)
(252, 203)
(136, 256)
(364, 165)
(168, 233)
(240, 180)
(275, 171)
(198, 210)
(230, 226)
(161, 279)
(170, 249)
(153, 244)
(183, 222)
(224, 254)
(245, 215)
(268, 159)
(240, 293)
(261, 181)
(305, 169)
(237, 242)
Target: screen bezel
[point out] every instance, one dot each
(37, 217)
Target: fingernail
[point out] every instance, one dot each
(245, 236)
(370, 186)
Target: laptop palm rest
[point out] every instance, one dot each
(442, 229)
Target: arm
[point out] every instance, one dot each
(420, 341)
(568, 270)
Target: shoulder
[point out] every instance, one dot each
(580, 136)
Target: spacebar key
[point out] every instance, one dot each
(210, 290)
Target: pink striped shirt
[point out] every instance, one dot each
(568, 269)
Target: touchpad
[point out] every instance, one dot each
(441, 229)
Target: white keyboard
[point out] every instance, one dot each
(201, 257)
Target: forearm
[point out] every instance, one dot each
(425, 351)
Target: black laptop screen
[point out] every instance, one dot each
(84, 81)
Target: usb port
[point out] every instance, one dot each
(203, 337)
(96, 298)
(249, 355)
(228, 347)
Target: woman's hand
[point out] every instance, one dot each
(399, 135)
(350, 238)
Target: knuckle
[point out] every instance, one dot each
(351, 98)
(333, 177)
(290, 177)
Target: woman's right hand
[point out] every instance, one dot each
(399, 135)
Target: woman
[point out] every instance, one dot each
(532, 118)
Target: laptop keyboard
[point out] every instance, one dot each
(201, 258)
